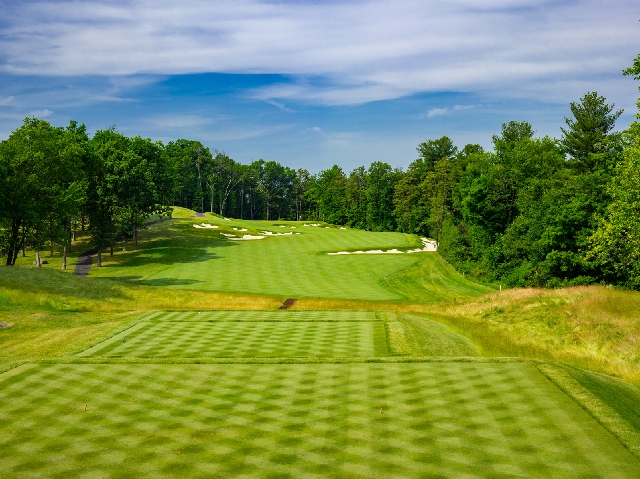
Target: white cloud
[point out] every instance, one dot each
(279, 105)
(41, 113)
(6, 100)
(437, 112)
(443, 111)
(367, 50)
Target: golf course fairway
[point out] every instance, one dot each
(108, 377)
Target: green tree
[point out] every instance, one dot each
(40, 187)
(330, 194)
(381, 182)
(616, 242)
(412, 205)
(588, 130)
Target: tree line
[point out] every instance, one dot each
(533, 211)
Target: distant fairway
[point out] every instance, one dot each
(298, 421)
(246, 339)
(294, 265)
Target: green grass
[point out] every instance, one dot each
(415, 336)
(295, 266)
(245, 339)
(214, 381)
(299, 421)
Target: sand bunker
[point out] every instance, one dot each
(205, 225)
(5, 325)
(248, 237)
(271, 233)
(243, 229)
(429, 245)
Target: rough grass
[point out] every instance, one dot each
(594, 328)
(301, 420)
(47, 290)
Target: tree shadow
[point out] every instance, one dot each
(164, 255)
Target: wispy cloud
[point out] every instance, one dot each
(443, 111)
(6, 100)
(41, 113)
(368, 49)
(279, 105)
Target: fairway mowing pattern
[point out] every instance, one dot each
(261, 316)
(246, 339)
(460, 420)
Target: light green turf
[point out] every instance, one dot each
(246, 339)
(294, 266)
(283, 315)
(460, 420)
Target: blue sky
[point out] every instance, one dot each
(313, 83)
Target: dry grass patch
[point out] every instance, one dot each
(593, 327)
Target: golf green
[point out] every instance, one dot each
(246, 339)
(466, 420)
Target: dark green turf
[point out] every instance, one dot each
(462, 420)
(245, 339)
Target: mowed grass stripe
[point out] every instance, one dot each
(286, 316)
(302, 421)
(246, 339)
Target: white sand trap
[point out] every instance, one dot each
(343, 228)
(228, 235)
(312, 224)
(227, 219)
(205, 225)
(248, 237)
(271, 233)
(243, 229)
(429, 245)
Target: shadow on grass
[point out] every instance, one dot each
(165, 254)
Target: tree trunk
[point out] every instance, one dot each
(99, 261)
(135, 234)
(64, 257)
(38, 264)
(111, 250)
(22, 252)
(125, 244)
